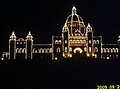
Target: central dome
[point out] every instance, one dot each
(74, 17)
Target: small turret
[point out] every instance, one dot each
(29, 36)
(89, 28)
(13, 36)
(12, 46)
(73, 10)
(29, 46)
(65, 27)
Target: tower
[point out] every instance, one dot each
(29, 46)
(65, 42)
(12, 46)
(89, 41)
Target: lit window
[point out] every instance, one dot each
(116, 56)
(23, 50)
(107, 50)
(56, 58)
(46, 51)
(117, 50)
(56, 41)
(84, 41)
(51, 50)
(42, 50)
(114, 50)
(85, 49)
(70, 49)
(95, 49)
(65, 49)
(90, 49)
(80, 41)
(97, 42)
(88, 55)
(89, 41)
(65, 41)
(95, 55)
(104, 50)
(59, 41)
(108, 57)
(58, 50)
(39, 50)
(35, 51)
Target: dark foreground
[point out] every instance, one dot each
(64, 74)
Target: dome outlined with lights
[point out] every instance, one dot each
(74, 17)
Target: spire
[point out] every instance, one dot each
(73, 10)
(13, 36)
(29, 33)
(13, 33)
(89, 28)
(29, 36)
(89, 25)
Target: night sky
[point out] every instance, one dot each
(46, 18)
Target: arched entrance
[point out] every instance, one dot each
(78, 53)
(78, 50)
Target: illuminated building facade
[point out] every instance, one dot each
(77, 40)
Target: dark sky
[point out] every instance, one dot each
(46, 18)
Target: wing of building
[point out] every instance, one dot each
(76, 40)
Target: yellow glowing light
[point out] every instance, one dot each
(63, 55)
(85, 49)
(88, 55)
(56, 58)
(78, 49)
(2, 59)
(93, 54)
(108, 58)
(70, 55)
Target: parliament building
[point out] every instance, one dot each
(76, 41)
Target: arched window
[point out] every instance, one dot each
(97, 42)
(20, 50)
(23, 50)
(84, 41)
(80, 41)
(114, 50)
(111, 51)
(50, 50)
(117, 50)
(42, 50)
(17, 50)
(104, 50)
(70, 49)
(58, 50)
(59, 41)
(95, 49)
(56, 41)
(77, 41)
(46, 51)
(94, 41)
(73, 41)
(34, 50)
(107, 50)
